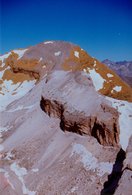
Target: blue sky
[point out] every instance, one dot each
(102, 27)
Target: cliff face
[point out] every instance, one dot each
(60, 133)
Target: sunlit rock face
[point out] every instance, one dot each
(65, 120)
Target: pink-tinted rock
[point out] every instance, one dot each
(62, 135)
(72, 98)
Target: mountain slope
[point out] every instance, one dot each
(33, 63)
(41, 158)
(122, 68)
(59, 133)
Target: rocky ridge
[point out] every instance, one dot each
(62, 98)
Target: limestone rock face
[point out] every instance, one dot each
(72, 98)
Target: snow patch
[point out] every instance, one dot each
(48, 42)
(9, 155)
(8, 88)
(90, 162)
(74, 189)
(35, 170)
(125, 122)
(1, 73)
(4, 56)
(76, 54)
(85, 70)
(95, 63)
(109, 75)
(21, 107)
(117, 88)
(98, 81)
(20, 52)
(58, 53)
(40, 59)
(20, 172)
(4, 129)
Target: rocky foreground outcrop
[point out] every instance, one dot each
(59, 133)
(128, 160)
(125, 183)
(38, 158)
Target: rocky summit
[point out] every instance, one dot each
(65, 123)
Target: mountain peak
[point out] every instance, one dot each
(31, 64)
(65, 122)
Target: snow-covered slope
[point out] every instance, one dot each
(11, 89)
(125, 120)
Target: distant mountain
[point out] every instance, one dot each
(122, 68)
(65, 123)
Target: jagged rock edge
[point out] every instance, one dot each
(54, 108)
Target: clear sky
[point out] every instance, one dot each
(102, 27)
